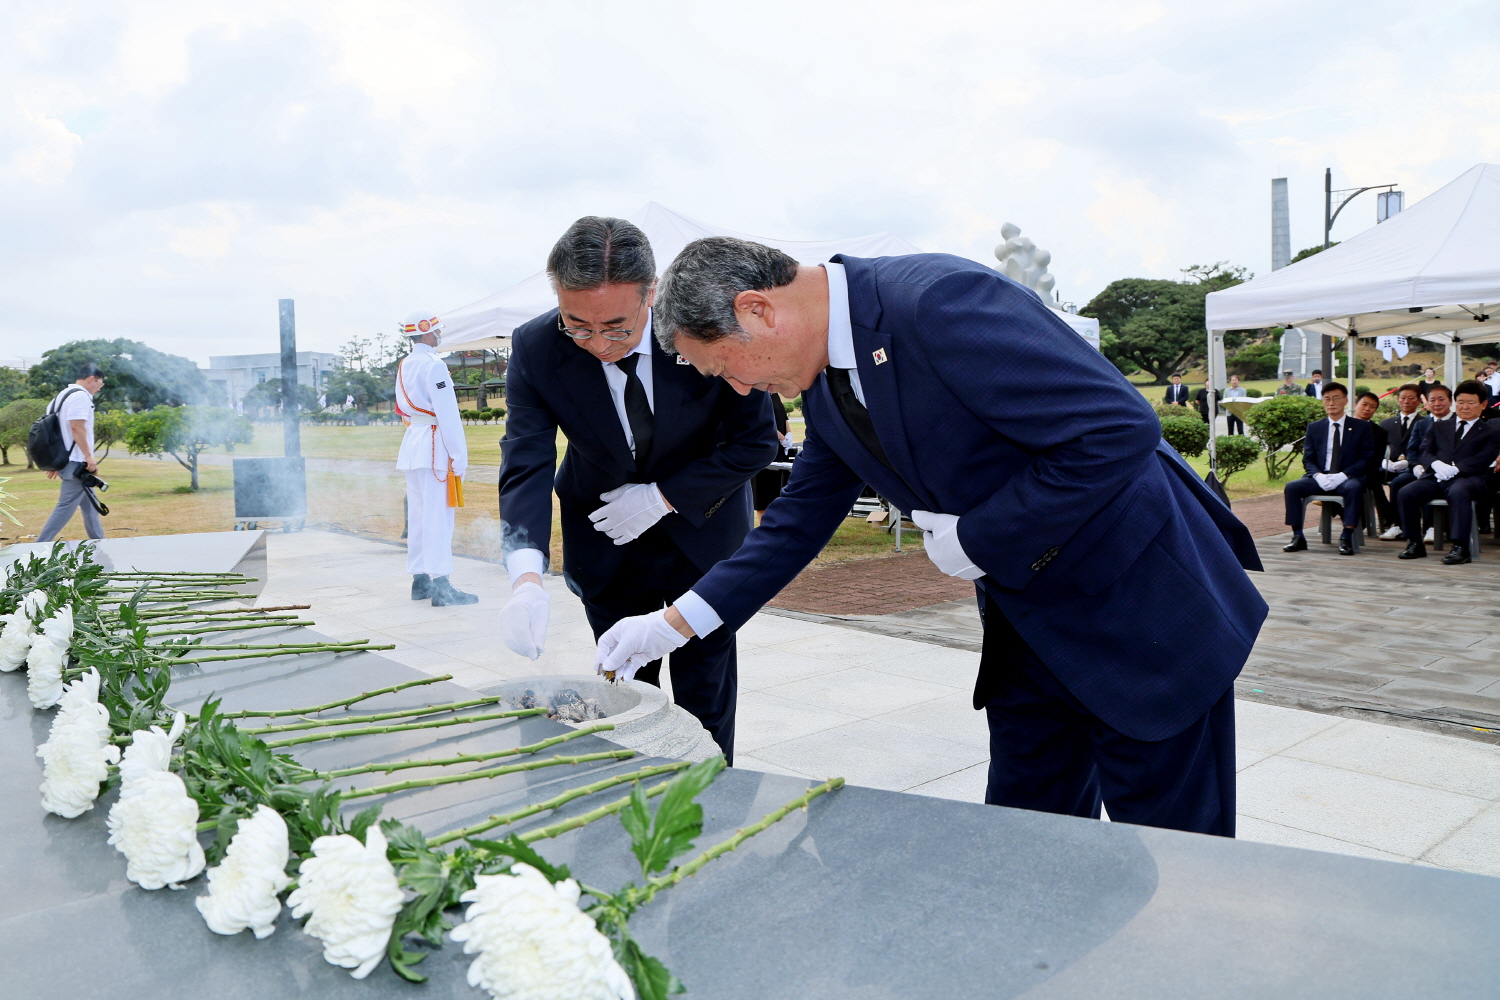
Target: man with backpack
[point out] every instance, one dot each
(74, 407)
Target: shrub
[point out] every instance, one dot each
(1279, 422)
(1166, 411)
(1188, 434)
(1254, 393)
(1235, 453)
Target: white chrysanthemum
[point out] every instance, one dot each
(15, 638)
(534, 943)
(353, 895)
(242, 890)
(150, 750)
(76, 754)
(47, 658)
(155, 825)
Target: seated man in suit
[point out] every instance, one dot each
(1365, 405)
(1457, 463)
(655, 487)
(1439, 410)
(1094, 548)
(1398, 431)
(1177, 393)
(1336, 453)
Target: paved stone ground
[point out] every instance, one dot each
(819, 699)
(882, 585)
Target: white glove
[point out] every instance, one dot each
(1323, 481)
(631, 643)
(1418, 471)
(1335, 480)
(523, 620)
(940, 538)
(1444, 471)
(629, 510)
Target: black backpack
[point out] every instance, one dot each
(45, 442)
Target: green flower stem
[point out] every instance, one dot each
(329, 648)
(584, 819)
(558, 801)
(167, 612)
(274, 645)
(356, 720)
(463, 758)
(262, 623)
(341, 703)
(430, 724)
(681, 872)
(493, 772)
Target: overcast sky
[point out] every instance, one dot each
(168, 170)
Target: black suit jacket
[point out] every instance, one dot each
(1356, 450)
(1375, 474)
(1396, 439)
(1474, 455)
(1312, 390)
(1176, 394)
(708, 443)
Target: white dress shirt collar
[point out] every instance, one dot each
(615, 377)
(841, 327)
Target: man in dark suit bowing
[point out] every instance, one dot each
(655, 485)
(1116, 610)
(1457, 464)
(1336, 453)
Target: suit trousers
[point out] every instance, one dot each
(429, 525)
(1051, 754)
(70, 496)
(705, 673)
(1459, 491)
(1351, 491)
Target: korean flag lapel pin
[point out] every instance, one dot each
(682, 360)
(880, 357)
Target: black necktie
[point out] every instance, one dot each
(854, 412)
(637, 410)
(1464, 429)
(1333, 458)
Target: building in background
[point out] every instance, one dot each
(236, 373)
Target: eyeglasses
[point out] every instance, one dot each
(612, 334)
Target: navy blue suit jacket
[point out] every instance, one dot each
(1356, 450)
(708, 442)
(1109, 556)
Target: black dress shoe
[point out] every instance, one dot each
(1297, 544)
(1414, 550)
(1458, 556)
(421, 587)
(1346, 545)
(443, 594)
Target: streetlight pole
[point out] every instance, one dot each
(1329, 215)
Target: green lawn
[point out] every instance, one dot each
(378, 441)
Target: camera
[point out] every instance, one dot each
(92, 481)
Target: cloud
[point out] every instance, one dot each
(168, 169)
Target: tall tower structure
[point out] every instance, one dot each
(1281, 226)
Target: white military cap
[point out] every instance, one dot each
(420, 322)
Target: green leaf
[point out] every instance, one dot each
(678, 818)
(363, 821)
(404, 840)
(517, 850)
(652, 979)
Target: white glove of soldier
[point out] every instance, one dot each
(634, 642)
(940, 538)
(1444, 471)
(629, 510)
(523, 620)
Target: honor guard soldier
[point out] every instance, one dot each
(434, 455)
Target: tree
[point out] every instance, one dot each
(185, 431)
(13, 385)
(135, 375)
(1279, 422)
(267, 396)
(16, 418)
(1157, 325)
(110, 428)
(1235, 453)
(1310, 251)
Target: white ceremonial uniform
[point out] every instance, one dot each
(435, 435)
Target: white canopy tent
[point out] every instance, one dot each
(1431, 272)
(488, 323)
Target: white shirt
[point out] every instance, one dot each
(617, 379)
(841, 327)
(1317, 388)
(78, 406)
(1343, 427)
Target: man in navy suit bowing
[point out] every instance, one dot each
(655, 485)
(1116, 609)
(1336, 453)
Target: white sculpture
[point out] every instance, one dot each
(1023, 261)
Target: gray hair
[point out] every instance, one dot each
(599, 251)
(698, 289)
